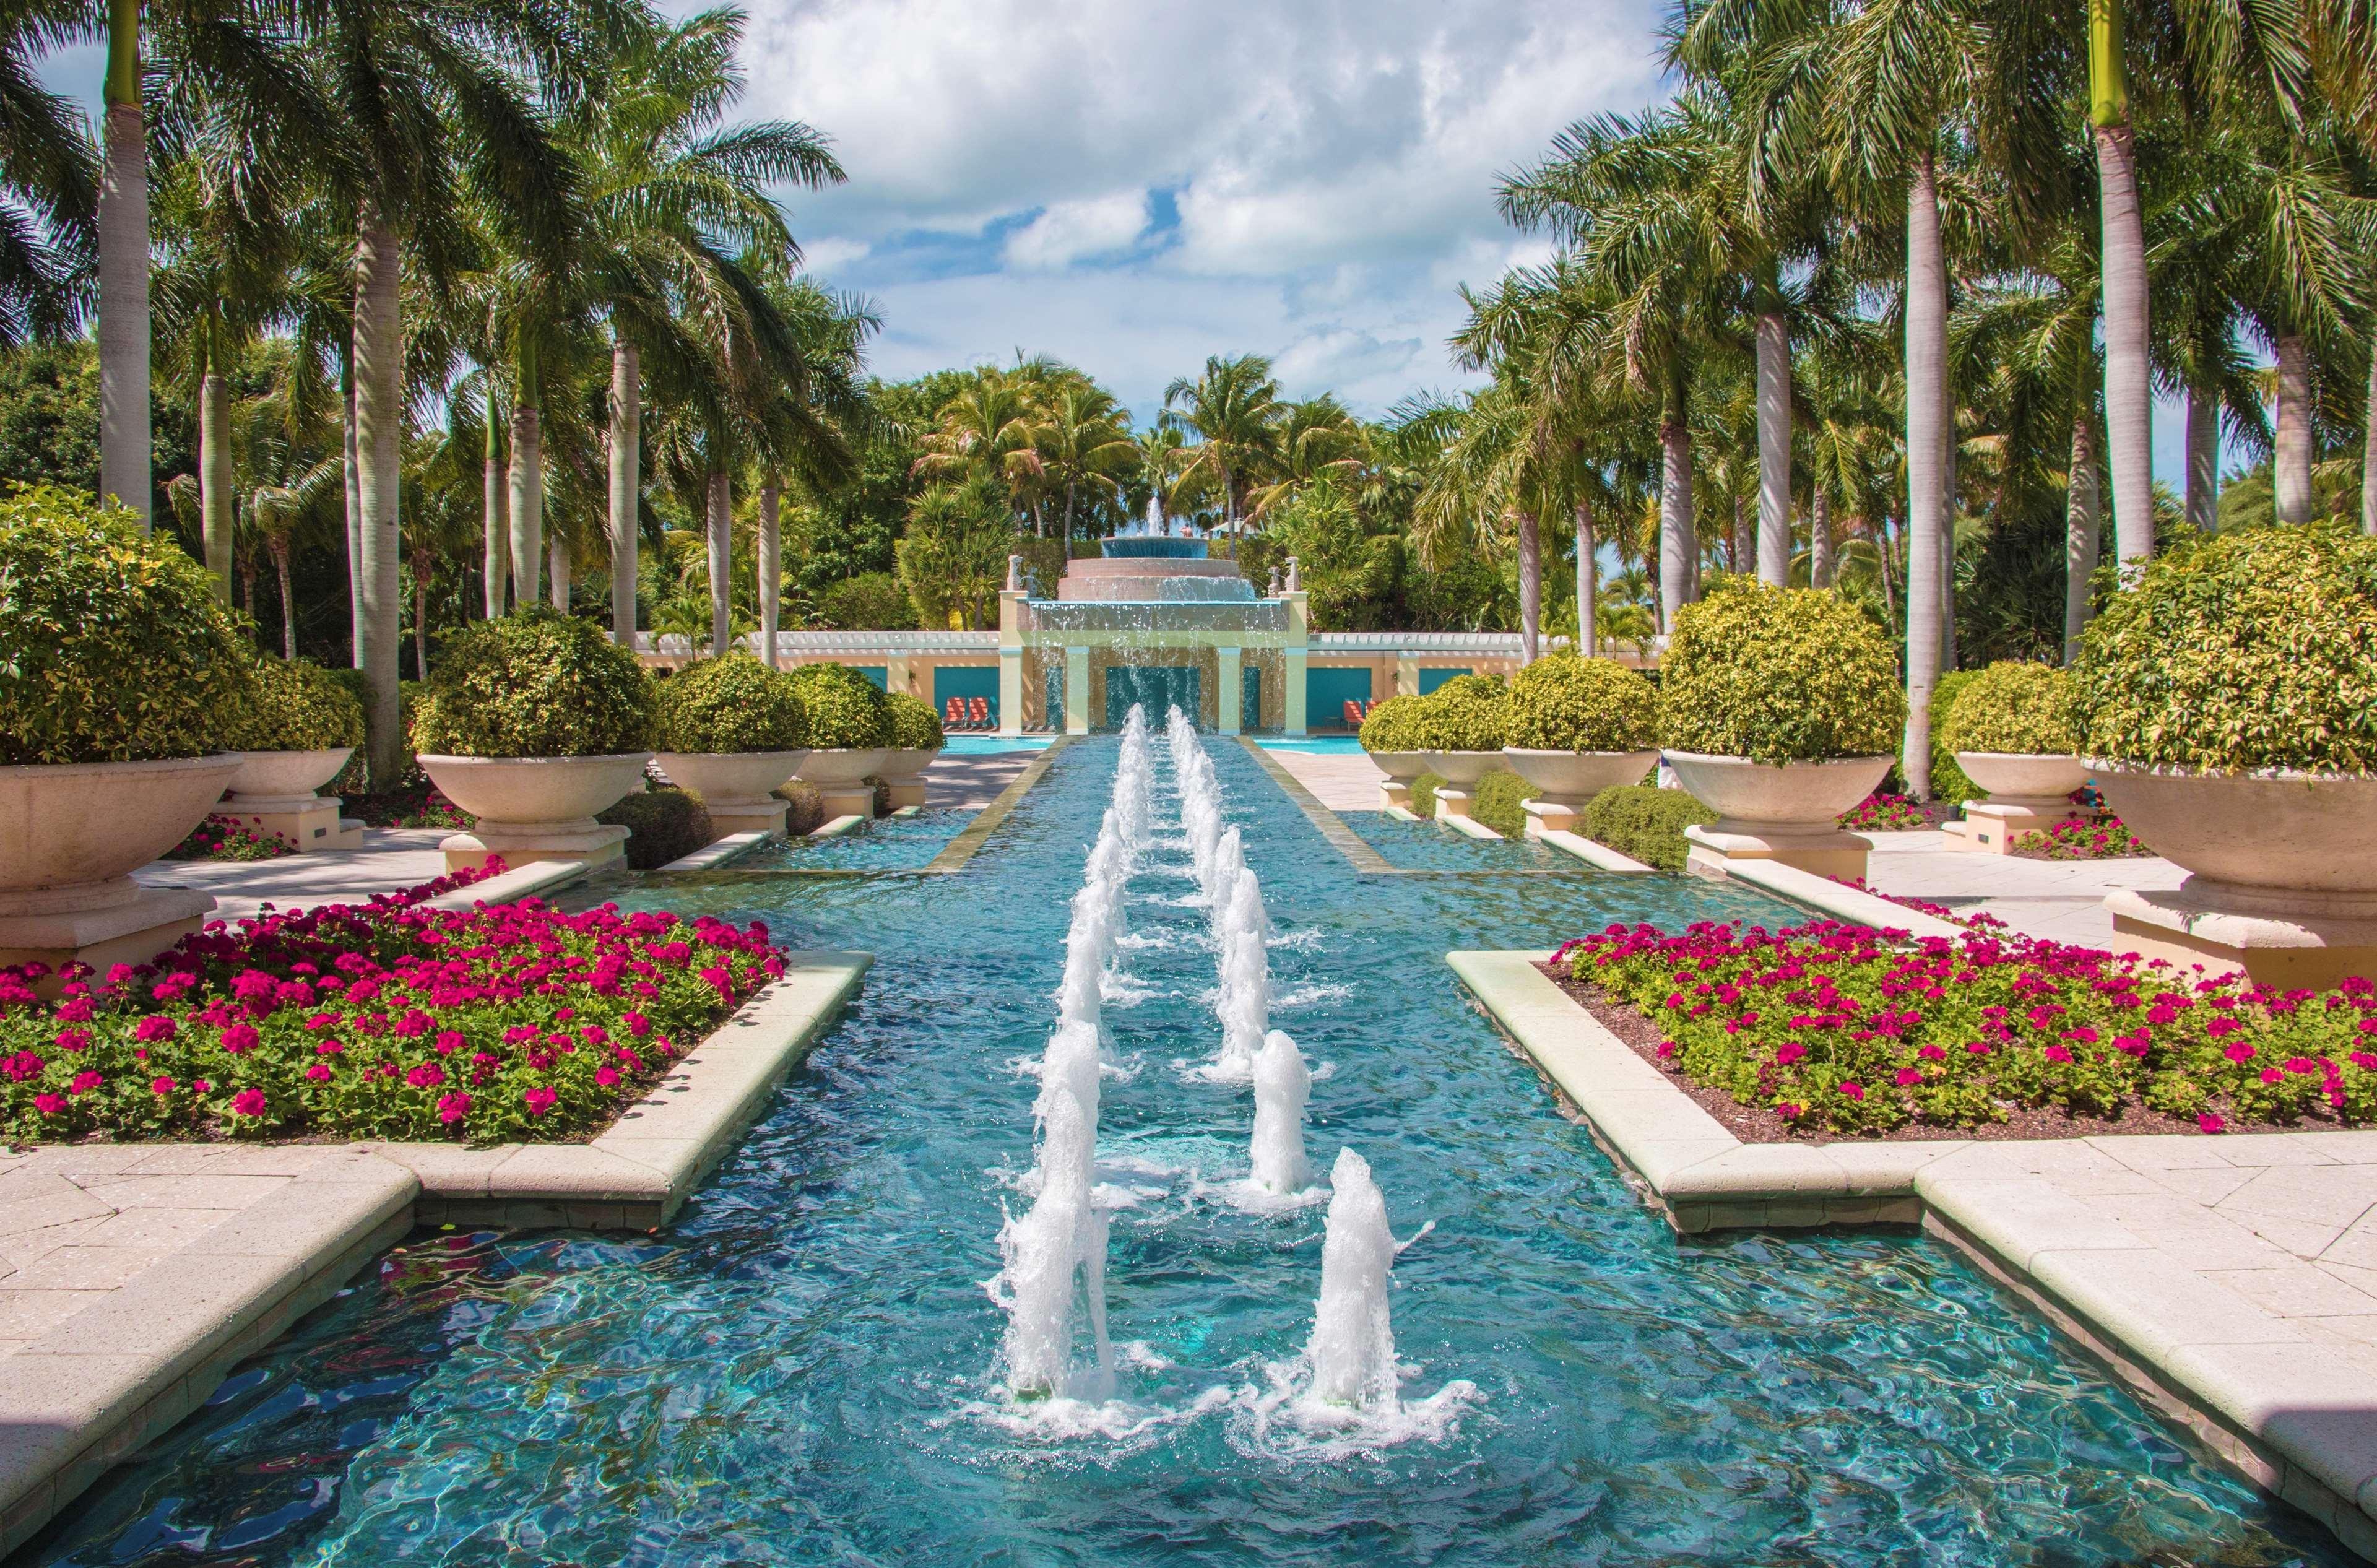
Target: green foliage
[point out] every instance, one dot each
(2240, 651)
(49, 422)
(300, 706)
(1948, 783)
(663, 825)
(1646, 823)
(1565, 704)
(731, 703)
(804, 807)
(2012, 707)
(873, 601)
(1466, 713)
(1497, 800)
(1392, 725)
(533, 684)
(112, 646)
(911, 722)
(1423, 794)
(845, 711)
(1779, 675)
(953, 560)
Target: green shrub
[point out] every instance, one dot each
(1496, 802)
(113, 648)
(535, 683)
(804, 807)
(1779, 675)
(1948, 781)
(1391, 725)
(873, 601)
(2256, 649)
(912, 724)
(1423, 794)
(1645, 821)
(731, 703)
(1565, 704)
(355, 777)
(1466, 713)
(663, 825)
(846, 711)
(2011, 707)
(301, 707)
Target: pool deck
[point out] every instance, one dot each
(2230, 1281)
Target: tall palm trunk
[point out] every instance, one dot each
(1927, 452)
(627, 485)
(279, 548)
(124, 461)
(2290, 470)
(1588, 584)
(497, 521)
(1820, 538)
(2202, 460)
(420, 624)
(528, 486)
(2369, 455)
(1531, 586)
(379, 432)
(354, 506)
(772, 578)
(558, 570)
(1884, 556)
(1071, 485)
(1774, 449)
(2081, 526)
(214, 476)
(2129, 390)
(722, 522)
(1677, 544)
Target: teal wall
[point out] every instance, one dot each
(965, 680)
(1155, 687)
(880, 675)
(1250, 714)
(1326, 692)
(1430, 680)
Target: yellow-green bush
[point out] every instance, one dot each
(664, 824)
(1390, 724)
(2010, 707)
(912, 724)
(1497, 801)
(1565, 704)
(1646, 823)
(846, 712)
(535, 683)
(1779, 675)
(1466, 713)
(730, 703)
(300, 706)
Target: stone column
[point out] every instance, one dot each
(1010, 662)
(1292, 694)
(1406, 675)
(1077, 690)
(1228, 693)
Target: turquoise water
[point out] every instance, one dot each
(799, 1370)
(888, 844)
(960, 743)
(1432, 846)
(1318, 745)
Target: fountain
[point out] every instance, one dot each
(1243, 1002)
(1055, 1256)
(1281, 1085)
(1353, 1344)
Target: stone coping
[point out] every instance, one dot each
(960, 850)
(1839, 900)
(533, 880)
(711, 857)
(838, 827)
(1592, 852)
(1402, 814)
(1332, 827)
(2265, 1394)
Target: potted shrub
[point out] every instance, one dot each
(1579, 727)
(2010, 733)
(1779, 708)
(849, 731)
(731, 730)
(303, 725)
(1460, 728)
(533, 723)
(914, 731)
(123, 684)
(2225, 704)
(1388, 739)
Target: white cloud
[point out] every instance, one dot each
(1069, 231)
(830, 253)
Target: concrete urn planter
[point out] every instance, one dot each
(840, 776)
(282, 780)
(1787, 812)
(735, 786)
(2009, 775)
(902, 772)
(1463, 770)
(1578, 776)
(1401, 767)
(535, 808)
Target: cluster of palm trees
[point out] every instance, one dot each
(1887, 273)
(422, 267)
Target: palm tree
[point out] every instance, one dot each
(47, 169)
(985, 430)
(1233, 409)
(1082, 440)
(2129, 390)
(1316, 439)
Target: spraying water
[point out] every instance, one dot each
(1056, 1258)
(1243, 1001)
(1353, 1344)
(1281, 1085)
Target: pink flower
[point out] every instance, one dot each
(84, 1082)
(1788, 1111)
(1932, 1053)
(319, 1072)
(1853, 1091)
(606, 1076)
(73, 1039)
(21, 1066)
(428, 1075)
(1666, 1050)
(1908, 1077)
(2211, 1123)
(162, 1086)
(538, 1101)
(1788, 1052)
(50, 1105)
(154, 1027)
(638, 1025)
(248, 1102)
(239, 1038)
(2057, 1053)
(2238, 1052)
(453, 1107)
(448, 1042)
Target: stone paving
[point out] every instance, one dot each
(391, 859)
(2062, 899)
(1339, 781)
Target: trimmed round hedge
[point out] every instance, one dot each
(728, 704)
(1466, 713)
(300, 706)
(1565, 704)
(2243, 651)
(1779, 675)
(2012, 707)
(1390, 724)
(846, 713)
(113, 647)
(536, 683)
(912, 724)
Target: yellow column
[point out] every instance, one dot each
(896, 675)
(1406, 675)
(1228, 717)
(1076, 690)
(1293, 718)
(1010, 664)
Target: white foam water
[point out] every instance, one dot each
(1276, 1150)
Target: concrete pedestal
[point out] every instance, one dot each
(2315, 944)
(1393, 793)
(517, 844)
(906, 794)
(848, 800)
(762, 815)
(304, 822)
(1821, 851)
(1996, 825)
(102, 923)
(1455, 803)
(1553, 814)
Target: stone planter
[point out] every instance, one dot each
(1787, 812)
(1570, 780)
(735, 785)
(902, 772)
(535, 808)
(2027, 794)
(71, 834)
(840, 773)
(1462, 772)
(277, 793)
(2283, 870)
(1400, 768)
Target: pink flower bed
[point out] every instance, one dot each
(389, 1020)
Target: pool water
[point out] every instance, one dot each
(801, 1371)
(887, 844)
(1433, 846)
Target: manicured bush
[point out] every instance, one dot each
(1391, 726)
(1423, 794)
(804, 807)
(1949, 781)
(2012, 707)
(1646, 823)
(1565, 704)
(730, 703)
(663, 825)
(1466, 713)
(1779, 675)
(388, 1020)
(301, 707)
(2240, 651)
(533, 684)
(1497, 800)
(113, 648)
(845, 709)
(873, 601)
(911, 722)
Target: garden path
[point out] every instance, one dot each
(390, 860)
(1340, 783)
(2061, 900)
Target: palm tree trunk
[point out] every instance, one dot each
(2081, 530)
(1927, 452)
(1774, 449)
(288, 601)
(722, 520)
(2368, 454)
(2202, 460)
(1069, 486)
(771, 580)
(214, 477)
(1741, 550)
(1677, 544)
(420, 625)
(496, 524)
(1588, 584)
(557, 575)
(354, 508)
(379, 434)
(2290, 471)
(1531, 586)
(124, 460)
(1820, 538)
(627, 485)
(527, 503)
(2129, 390)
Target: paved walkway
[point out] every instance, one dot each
(1340, 783)
(2062, 899)
(970, 783)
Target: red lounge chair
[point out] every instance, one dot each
(978, 712)
(1353, 715)
(953, 714)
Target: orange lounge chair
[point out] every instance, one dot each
(978, 712)
(953, 713)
